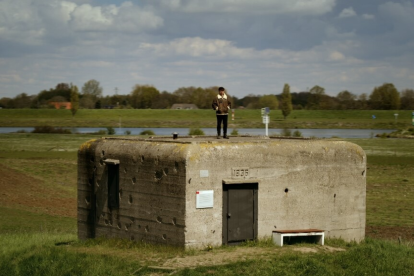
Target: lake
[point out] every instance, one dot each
(319, 133)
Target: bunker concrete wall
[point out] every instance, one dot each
(151, 191)
(302, 184)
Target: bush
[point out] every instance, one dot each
(127, 132)
(196, 131)
(50, 129)
(234, 132)
(147, 132)
(297, 133)
(110, 130)
(286, 132)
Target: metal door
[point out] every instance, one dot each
(241, 213)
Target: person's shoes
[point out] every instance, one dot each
(225, 137)
(218, 136)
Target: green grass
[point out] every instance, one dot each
(19, 221)
(369, 258)
(201, 118)
(62, 254)
(47, 254)
(390, 181)
(38, 242)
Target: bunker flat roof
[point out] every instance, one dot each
(208, 139)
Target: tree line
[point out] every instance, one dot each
(384, 97)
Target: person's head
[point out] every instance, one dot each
(221, 91)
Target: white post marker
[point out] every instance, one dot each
(265, 116)
(266, 122)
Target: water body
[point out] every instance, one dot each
(319, 133)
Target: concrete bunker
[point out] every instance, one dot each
(194, 191)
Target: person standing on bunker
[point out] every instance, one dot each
(222, 104)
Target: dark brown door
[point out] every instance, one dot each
(241, 214)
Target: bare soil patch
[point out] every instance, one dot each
(24, 192)
(211, 258)
(217, 256)
(403, 233)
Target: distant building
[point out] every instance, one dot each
(184, 106)
(61, 105)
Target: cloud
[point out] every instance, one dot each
(349, 12)
(31, 21)
(247, 46)
(368, 16)
(10, 78)
(336, 56)
(311, 7)
(89, 18)
(196, 47)
(18, 22)
(399, 13)
(125, 18)
(399, 19)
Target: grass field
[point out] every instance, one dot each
(246, 118)
(38, 223)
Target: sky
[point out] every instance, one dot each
(248, 47)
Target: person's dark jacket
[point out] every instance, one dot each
(221, 104)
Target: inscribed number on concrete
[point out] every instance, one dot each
(240, 172)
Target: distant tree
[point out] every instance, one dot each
(205, 97)
(4, 102)
(362, 102)
(98, 104)
(62, 86)
(269, 101)
(328, 103)
(286, 101)
(144, 96)
(235, 102)
(250, 101)
(61, 89)
(115, 101)
(201, 97)
(22, 101)
(86, 102)
(385, 97)
(184, 94)
(300, 99)
(166, 100)
(74, 100)
(315, 98)
(91, 92)
(92, 88)
(407, 99)
(346, 100)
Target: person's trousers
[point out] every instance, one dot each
(222, 119)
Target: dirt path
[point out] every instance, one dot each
(211, 258)
(217, 256)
